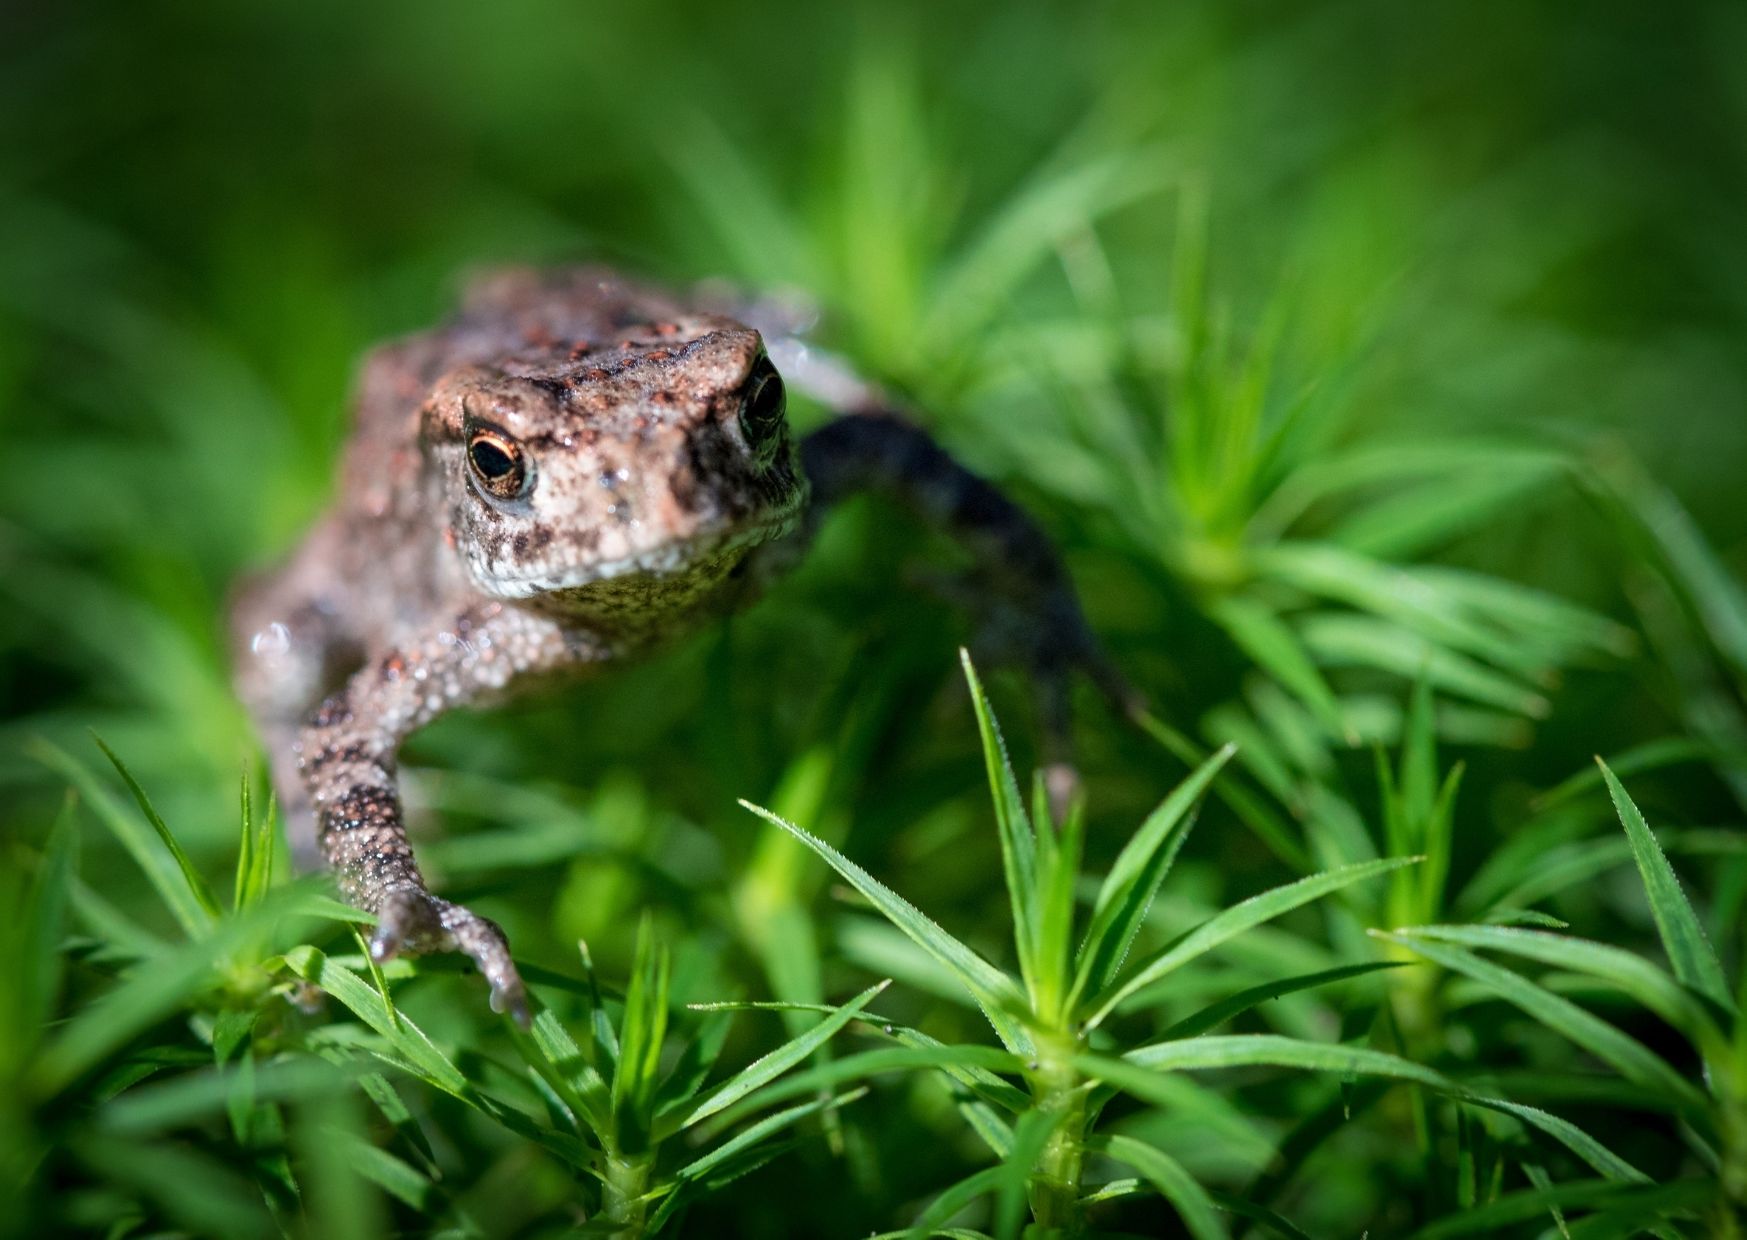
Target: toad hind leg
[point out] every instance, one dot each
(347, 753)
(1033, 616)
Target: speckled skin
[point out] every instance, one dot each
(653, 474)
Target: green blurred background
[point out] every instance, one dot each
(1052, 227)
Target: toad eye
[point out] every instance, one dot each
(761, 414)
(499, 465)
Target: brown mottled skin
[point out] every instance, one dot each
(574, 468)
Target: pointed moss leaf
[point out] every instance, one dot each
(393, 1175)
(641, 1034)
(246, 845)
(1425, 515)
(1496, 1217)
(967, 1070)
(197, 886)
(954, 1199)
(703, 1168)
(1049, 980)
(983, 1120)
(603, 1043)
(964, 1063)
(1134, 880)
(1573, 1138)
(1243, 1207)
(993, 989)
(696, 1061)
(762, 1071)
(1018, 840)
(1193, 1205)
(1234, 921)
(1216, 1015)
(1419, 754)
(367, 1005)
(755, 1133)
(1138, 1071)
(562, 1062)
(1689, 951)
(1030, 1135)
(1630, 1057)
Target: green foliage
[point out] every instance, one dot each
(609, 1106)
(1691, 1000)
(1376, 369)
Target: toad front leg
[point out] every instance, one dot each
(347, 757)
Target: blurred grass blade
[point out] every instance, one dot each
(149, 993)
(394, 1176)
(198, 1192)
(197, 885)
(1423, 604)
(1261, 634)
(177, 896)
(191, 1096)
(697, 1059)
(1271, 828)
(1689, 951)
(1192, 1203)
(1631, 974)
(246, 845)
(993, 989)
(1234, 921)
(1027, 229)
(1630, 1057)
(41, 962)
(1710, 587)
(1649, 756)
(1342, 640)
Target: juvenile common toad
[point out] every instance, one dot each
(576, 467)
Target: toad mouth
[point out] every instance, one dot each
(666, 560)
